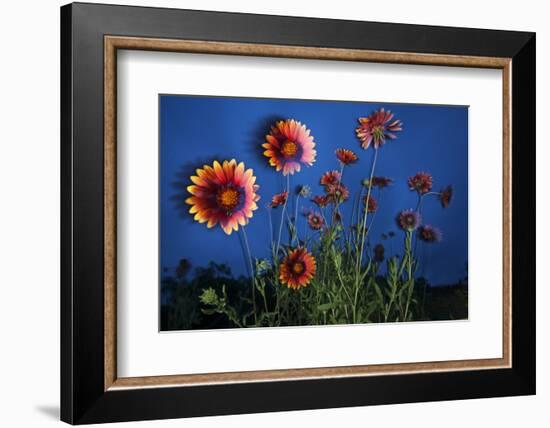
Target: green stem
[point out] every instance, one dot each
(282, 217)
(296, 218)
(252, 281)
(410, 278)
(363, 236)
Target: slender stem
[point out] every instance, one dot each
(252, 282)
(410, 279)
(363, 228)
(283, 216)
(296, 216)
(374, 213)
(270, 229)
(363, 236)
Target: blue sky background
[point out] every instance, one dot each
(197, 130)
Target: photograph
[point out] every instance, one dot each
(277, 212)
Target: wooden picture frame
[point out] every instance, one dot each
(91, 390)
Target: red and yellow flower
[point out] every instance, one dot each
(377, 128)
(408, 220)
(337, 193)
(278, 199)
(430, 234)
(315, 220)
(370, 203)
(223, 193)
(346, 156)
(445, 196)
(379, 251)
(330, 177)
(288, 146)
(379, 182)
(297, 269)
(321, 201)
(421, 182)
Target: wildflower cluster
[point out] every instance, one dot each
(327, 272)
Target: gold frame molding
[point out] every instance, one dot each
(113, 43)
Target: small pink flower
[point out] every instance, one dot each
(408, 220)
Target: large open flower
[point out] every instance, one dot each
(297, 269)
(288, 146)
(223, 193)
(377, 128)
(421, 182)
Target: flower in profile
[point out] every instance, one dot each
(315, 220)
(370, 203)
(337, 193)
(288, 146)
(278, 199)
(379, 253)
(377, 128)
(321, 201)
(330, 177)
(379, 182)
(445, 196)
(346, 156)
(297, 268)
(304, 191)
(336, 217)
(223, 193)
(421, 182)
(429, 234)
(408, 220)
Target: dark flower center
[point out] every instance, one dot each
(298, 268)
(228, 198)
(289, 149)
(378, 131)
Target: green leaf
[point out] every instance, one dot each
(325, 307)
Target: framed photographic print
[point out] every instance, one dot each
(266, 213)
